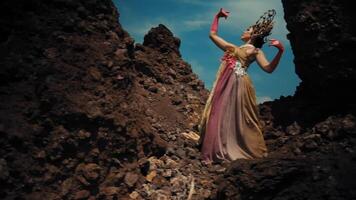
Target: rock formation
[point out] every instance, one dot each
(87, 114)
(323, 39)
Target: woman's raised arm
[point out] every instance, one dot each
(261, 60)
(220, 42)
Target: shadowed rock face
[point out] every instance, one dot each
(323, 39)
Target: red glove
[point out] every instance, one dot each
(221, 13)
(279, 46)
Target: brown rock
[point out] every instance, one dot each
(90, 172)
(4, 170)
(293, 129)
(82, 134)
(113, 179)
(82, 194)
(131, 179)
(51, 53)
(67, 186)
(109, 191)
(162, 39)
(94, 73)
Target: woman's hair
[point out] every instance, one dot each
(262, 28)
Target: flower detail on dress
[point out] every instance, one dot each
(239, 70)
(233, 63)
(229, 59)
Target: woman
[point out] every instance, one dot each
(230, 128)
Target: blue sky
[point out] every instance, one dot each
(190, 21)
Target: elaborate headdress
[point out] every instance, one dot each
(264, 25)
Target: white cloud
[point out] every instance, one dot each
(195, 23)
(243, 13)
(192, 2)
(261, 99)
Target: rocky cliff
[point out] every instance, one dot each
(323, 40)
(87, 114)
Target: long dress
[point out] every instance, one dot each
(230, 128)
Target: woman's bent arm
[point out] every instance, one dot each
(269, 67)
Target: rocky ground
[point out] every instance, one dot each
(304, 163)
(86, 113)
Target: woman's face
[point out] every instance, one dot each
(246, 35)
